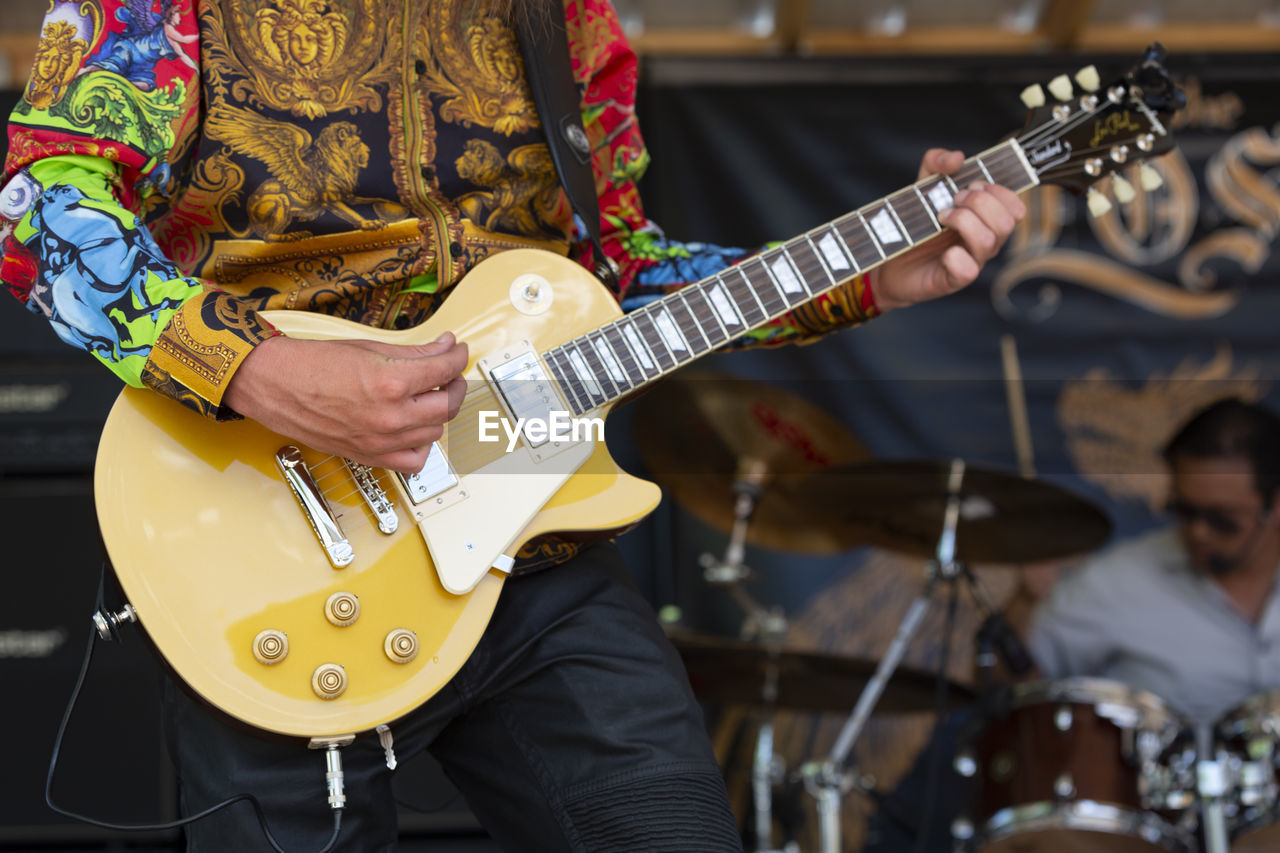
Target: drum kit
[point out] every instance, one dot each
(1085, 764)
(1053, 766)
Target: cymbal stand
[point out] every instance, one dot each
(827, 781)
(767, 626)
(996, 639)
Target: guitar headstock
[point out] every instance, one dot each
(1085, 131)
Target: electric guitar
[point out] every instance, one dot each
(315, 597)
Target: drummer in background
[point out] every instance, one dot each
(1189, 612)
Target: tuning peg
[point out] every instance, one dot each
(1123, 190)
(1033, 96)
(1060, 87)
(1098, 204)
(1088, 78)
(1150, 178)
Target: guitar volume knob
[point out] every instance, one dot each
(270, 647)
(342, 608)
(329, 681)
(401, 645)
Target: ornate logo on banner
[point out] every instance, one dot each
(1157, 227)
(1115, 431)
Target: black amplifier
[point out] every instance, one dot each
(53, 399)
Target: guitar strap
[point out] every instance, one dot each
(545, 47)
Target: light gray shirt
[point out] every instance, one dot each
(1140, 613)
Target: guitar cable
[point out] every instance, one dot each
(57, 748)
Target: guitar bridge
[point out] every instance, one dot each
(375, 497)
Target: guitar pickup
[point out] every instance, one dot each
(533, 403)
(435, 477)
(314, 506)
(526, 389)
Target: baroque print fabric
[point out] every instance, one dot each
(176, 166)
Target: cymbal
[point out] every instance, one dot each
(1003, 518)
(699, 432)
(733, 671)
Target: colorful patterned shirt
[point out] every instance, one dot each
(173, 171)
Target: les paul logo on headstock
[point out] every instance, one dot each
(1113, 125)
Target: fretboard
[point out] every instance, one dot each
(649, 342)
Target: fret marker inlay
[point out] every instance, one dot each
(886, 229)
(786, 276)
(585, 375)
(831, 251)
(641, 351)
(667, 328)
(610, 363)
(941, 197)
(720, 301)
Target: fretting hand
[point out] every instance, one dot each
(977, 226)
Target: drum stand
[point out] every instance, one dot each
(1212, 786)
(829, 780)
(767, 626)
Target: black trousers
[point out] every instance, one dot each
(571, 728)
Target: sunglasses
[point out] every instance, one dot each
(1218, 520)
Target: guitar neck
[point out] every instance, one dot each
(609, 362)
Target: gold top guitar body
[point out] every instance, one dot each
(213, 548)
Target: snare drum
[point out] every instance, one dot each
(1250, 734)
(1083, 765)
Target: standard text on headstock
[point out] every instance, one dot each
(1057, 151)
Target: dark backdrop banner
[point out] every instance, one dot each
(1120, 325)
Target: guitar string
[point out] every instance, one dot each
(913, 222)
(971, 169)
(1030, 137)
(916, 219)
(1004, 167)
(330, 492)
(342, 468)
(1049, 128)
(1052, 128)
(342, 465)
(1033, 136)
(1066, 168)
